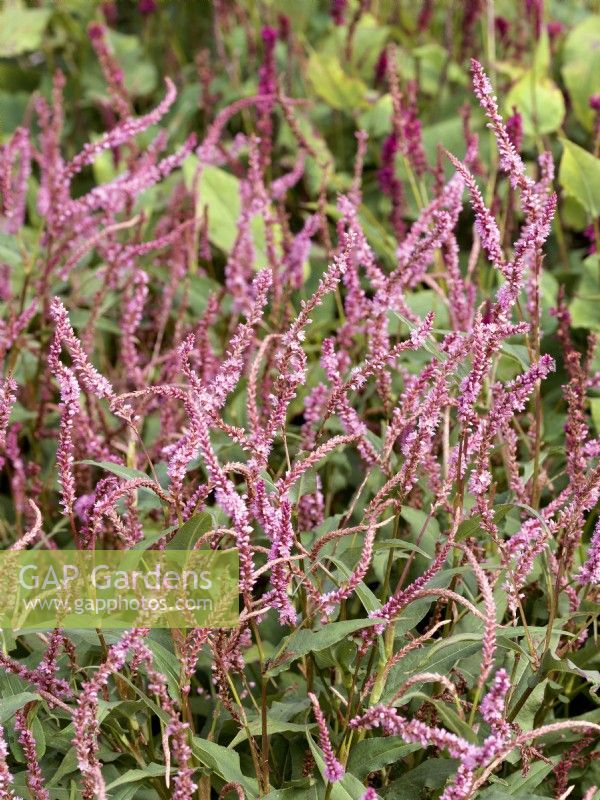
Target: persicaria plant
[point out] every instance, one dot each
(218, 345)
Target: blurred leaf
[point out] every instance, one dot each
(330, 82)
(426, 300)
(585, 307)
(303, 790)
(581, 68)
(299, 14)
(153, 538)
(21, 29)
(542, 55)
(431, 59)
(540, 103)
(369, 40)
(518, 352)
(12, 110)
(579, 175)
(450, 133)
(595, 408)
(141, 76)
(425, 532)
(376, 120)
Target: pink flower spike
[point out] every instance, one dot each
(8, 397)
(334, 771)
(122, 132)
(69, 406)
(35, 779)
(492, 706)
(91, 379)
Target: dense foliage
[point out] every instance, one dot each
(289, 277)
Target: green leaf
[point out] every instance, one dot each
(219, 191)
(301, 642)
(581, 67)
(518, 353)
(595, 408)
(532, 705)
(494, 793)
(433, 59)
(224, 762)
(306, 789)
(168, 663)
(349, 788)
(579, 175)
(425, 529)
(431, 774)
(117, 469)
(21, 29)
(147, 701)
(9, 250)
(10, 705)
(136, 775)
(444, 654)
(273, 726)
(471, 525)
(375, 754)
(153, 538)
(369, 39)
(453, 722)
(68, 765)
(542, 55)
(585, 308)
(370, 602)
(300, 14)
(189, 533)
(141, 75)
(519, 786)
(540, 103)
(376, 119)
(332, 84)
(12, 110)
